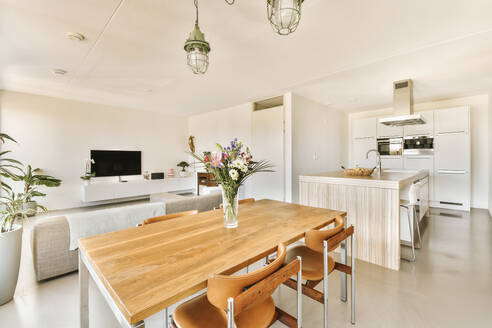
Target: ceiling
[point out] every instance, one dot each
(345, 53)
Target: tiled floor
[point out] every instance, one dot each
(450, 285)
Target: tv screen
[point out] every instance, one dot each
(108, 163)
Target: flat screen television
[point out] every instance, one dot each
(109, 163)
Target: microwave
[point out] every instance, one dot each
(390, 146)
(418, 145)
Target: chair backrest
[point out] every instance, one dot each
(169, 216)
(243, 201)
(221, 287)
(315, 238)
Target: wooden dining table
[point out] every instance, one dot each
(143, 270)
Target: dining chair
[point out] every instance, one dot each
(169, 216)
(317, 264)
(243, 201)
(243, 301)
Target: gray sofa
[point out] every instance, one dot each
(50, 238)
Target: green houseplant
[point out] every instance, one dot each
(183, 165)
(32, 180)
(11, 211)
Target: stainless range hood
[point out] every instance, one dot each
(403, 106)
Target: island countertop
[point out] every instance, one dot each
(389, 179)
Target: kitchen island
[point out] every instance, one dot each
(373, 207)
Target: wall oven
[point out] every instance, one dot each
(390, 146)
(418, 145)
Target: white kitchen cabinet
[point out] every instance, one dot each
(452, 120)
(452, 189)
(421, 129)
(359, 151)
(364, 128)
(452, 151)
(452, 167)
(419, 162)
(385, 131)
(392, 162)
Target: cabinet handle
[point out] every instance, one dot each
(417, 157)
(451, 171)
(450, 133)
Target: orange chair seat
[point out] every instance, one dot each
(200, 313)
(312, 262)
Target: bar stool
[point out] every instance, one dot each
(411, 207)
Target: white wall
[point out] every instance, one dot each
(319, 140)
(57, 136)
(309, 128)
(479, 139)
(222, 126)
(489, 150)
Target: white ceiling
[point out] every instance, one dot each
(345, 53)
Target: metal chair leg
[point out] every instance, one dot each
(416, 222)
(412, 259)
(299, 294)
(325, 283)
(352, 280)
(343, 275)
(230, 313)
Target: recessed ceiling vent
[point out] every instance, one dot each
(403, 106)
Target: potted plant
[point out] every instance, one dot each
(32, 179)
(88, 175)
(183, 165)
(11, 210)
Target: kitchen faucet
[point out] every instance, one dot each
(378, 158)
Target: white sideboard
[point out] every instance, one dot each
(104, 191)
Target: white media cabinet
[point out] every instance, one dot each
(106, 191)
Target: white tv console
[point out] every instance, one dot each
(104, 191)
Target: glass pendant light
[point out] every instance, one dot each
(197, 48)
(284, 15)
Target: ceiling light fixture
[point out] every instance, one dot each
(59, 71)
(197, 48)
(284, 15)
(74, 36)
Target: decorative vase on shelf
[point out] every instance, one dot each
(183, 174)
(230, 206)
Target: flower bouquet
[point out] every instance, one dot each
(231, 167)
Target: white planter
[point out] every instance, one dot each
(10, 250)
(183, 174)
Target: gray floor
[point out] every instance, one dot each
(450, 285)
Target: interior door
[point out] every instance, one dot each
(268, 144)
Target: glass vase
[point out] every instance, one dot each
(230, 207)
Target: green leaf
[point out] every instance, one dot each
(4, 136)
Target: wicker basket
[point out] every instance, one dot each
(358, 171)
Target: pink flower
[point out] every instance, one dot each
(216, 160)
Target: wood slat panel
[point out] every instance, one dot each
(374, 212)
(149, 268)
